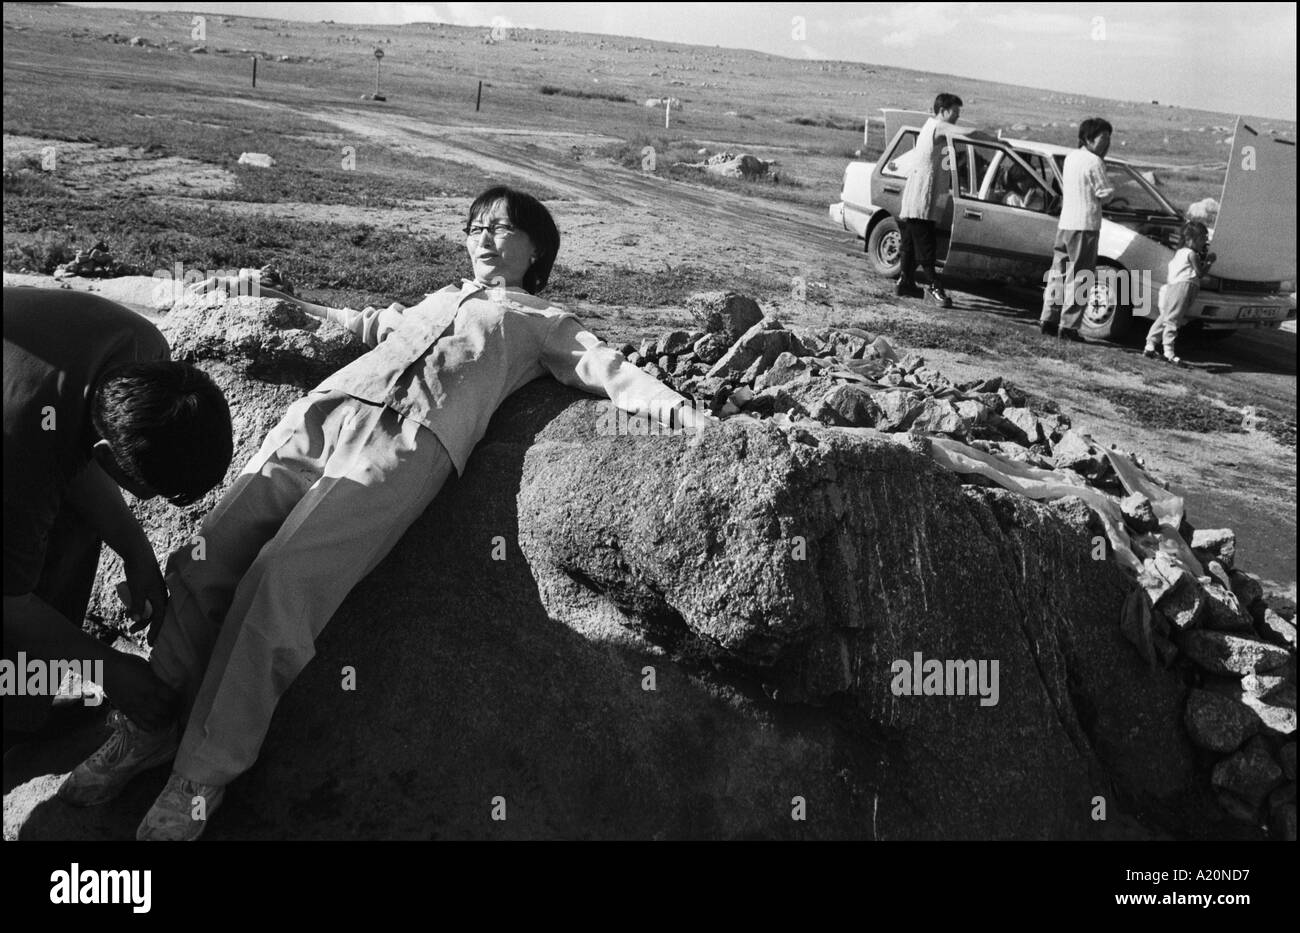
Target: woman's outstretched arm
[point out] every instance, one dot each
(579, 358)
(370, 324)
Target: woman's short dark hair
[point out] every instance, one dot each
(1093, 127)
(531, 216)
(168, 425)
(946, 102)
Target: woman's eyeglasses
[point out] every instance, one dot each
(498, 230)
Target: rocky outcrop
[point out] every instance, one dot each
(725, 636)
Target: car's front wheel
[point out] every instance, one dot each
(884, 246)
(1108, 314)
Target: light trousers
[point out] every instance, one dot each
(334, 487)
(1174, 301)
(1071, 278)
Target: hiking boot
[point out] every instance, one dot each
(1047, 328)
(129, 751)
(172, 816)
(1175, 360)
(938, 296)
(1069, 334)
(1150, 353)
(907, 290)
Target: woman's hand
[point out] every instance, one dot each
(246, 282)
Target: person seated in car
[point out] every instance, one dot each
(1023, 192)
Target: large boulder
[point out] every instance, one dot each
(691, 637)
(813, 561)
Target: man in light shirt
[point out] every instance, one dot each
(1084, 189)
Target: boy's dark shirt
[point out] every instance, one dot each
(57, 343)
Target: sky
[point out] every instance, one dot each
(1235, 58)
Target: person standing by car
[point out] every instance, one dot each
(1084, 188)
(1190, 262)
(920, 209)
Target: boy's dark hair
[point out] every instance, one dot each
(531, 216)
(168, 425)
(1093, 127)
(946, 102)
(1191, 231)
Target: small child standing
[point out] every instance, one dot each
(1190, 262)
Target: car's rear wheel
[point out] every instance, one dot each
(884, 247)
(1108, 314)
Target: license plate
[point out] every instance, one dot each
(1258, 313)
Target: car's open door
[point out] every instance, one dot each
(998, 231)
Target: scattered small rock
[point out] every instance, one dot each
(1249, 774)
(257, 159)
(1138, 513)
(1278, 629)
(1218, 723)
(1221, 653)
(725, 313)
(1218, 544)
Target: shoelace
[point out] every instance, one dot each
(115, 748)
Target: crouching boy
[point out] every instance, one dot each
(93, 405)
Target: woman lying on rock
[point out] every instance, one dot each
(333, 488)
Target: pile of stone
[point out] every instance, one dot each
(96, 262)
(1243, 669)
(743, 362)
(735, 165)
(1238, 656)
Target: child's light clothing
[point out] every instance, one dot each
(1174, 301)
(1183, 267)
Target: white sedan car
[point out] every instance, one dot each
(1001, 202)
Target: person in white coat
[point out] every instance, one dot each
(921, 207)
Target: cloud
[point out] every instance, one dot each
(469, 14)
(1039, 21)
(909, 23)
